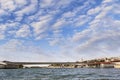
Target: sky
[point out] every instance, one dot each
(59, 30)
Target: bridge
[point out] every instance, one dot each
(8, 64)
(33, 63)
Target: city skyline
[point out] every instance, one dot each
(59, 30)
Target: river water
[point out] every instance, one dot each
(60, 74)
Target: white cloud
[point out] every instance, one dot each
(103, 46)
(20, 3)
(104, 12)
(68, 14)
(2, 31)
(24, 31)
(107, 1)
(56, 39)
(58, 24)
(2, 27)
(62, 3)
(94, 11)
(81, 20)
(78, 36)
(3, 12)
(26, 10)
(41, 36)
(14, 50)
(102, 36)
(54, 42)
(46, 3)
(116, 9)
(2, 36)
(54, 4)
(7, 5)
(40, 27)
(12, 45)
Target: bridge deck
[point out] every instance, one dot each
(29, 63)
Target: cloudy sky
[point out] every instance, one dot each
(59, 30)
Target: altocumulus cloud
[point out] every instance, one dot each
(58, 30)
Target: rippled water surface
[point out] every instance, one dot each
(60, 74)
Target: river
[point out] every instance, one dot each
(60, 74)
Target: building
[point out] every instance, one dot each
(116, 64)
(100, 65)
(93, 65)
(61, 66)
(106, 65)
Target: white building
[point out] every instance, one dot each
(116, 64)
(107, 65)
